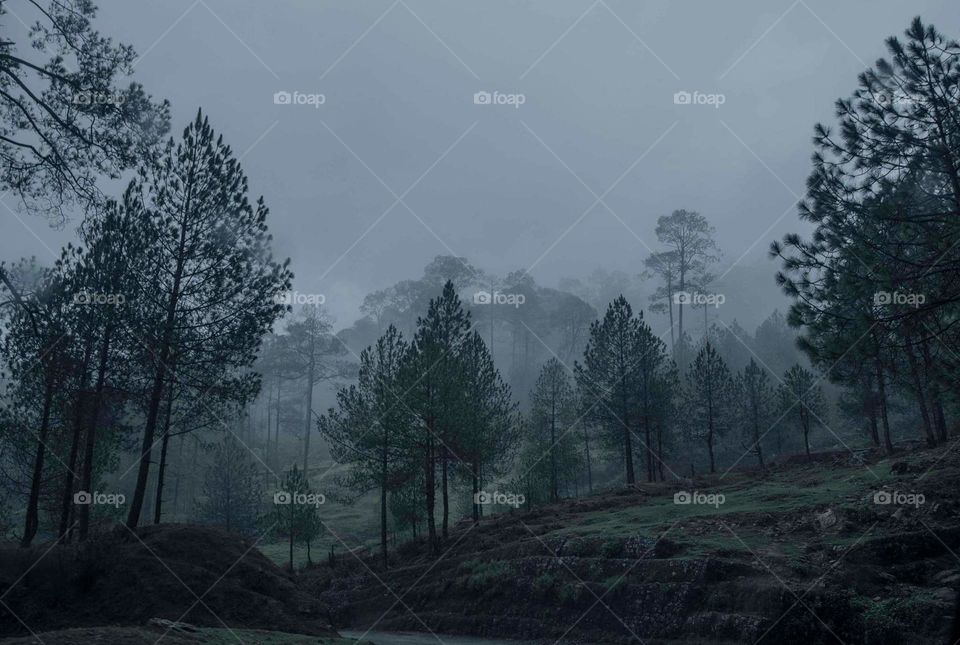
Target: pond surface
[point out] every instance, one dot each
(411, 638)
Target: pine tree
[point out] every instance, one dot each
(115, 248)
(607, 378)
(294, 512)
(691, 249)
(38, 352)
(371, 428)
(552, 412)
(884, 195)
(488, 429)
(651, 367)
(211, 271)
(431, 382)
(709, 386)
(755, 405)
(66, 121)
(801, 397)
(310, 343)
(232, 489)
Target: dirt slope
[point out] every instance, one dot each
(124, 580)
(803, 554)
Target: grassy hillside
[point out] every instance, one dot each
(796, 555)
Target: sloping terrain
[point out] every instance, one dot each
(192, 574)
(151, 635)
(801, 554)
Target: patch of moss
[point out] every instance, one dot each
(483, 574)
(887, 621)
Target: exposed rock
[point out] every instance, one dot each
(827, 519)
(172, 625)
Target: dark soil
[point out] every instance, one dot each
(120, 579)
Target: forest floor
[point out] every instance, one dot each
(801, 553)
(112, 587)
(150, 636)
(804, 553)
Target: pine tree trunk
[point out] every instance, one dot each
(663, 477)
(680, 304)
(553, 449)
(921, 395)
(627, 443)
(586, 443)
(291, 543)
(882, 392)
(32, 520)
(446, 498)
(383, 524)
(309, 403)
(162, 469)
(384, 470)
(874, 429)
(648, 449)
(757, 448)
(159, 378)
(176, 481)
(670, 309)
(86, 475)
(70, 478)
(276, 438)
(430, 486)
(476, 489)
(713, 466)
(940, 422)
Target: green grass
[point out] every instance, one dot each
(481, 574)
(227, 637)
(800, 489)
(894, 617)
(355, 524)
(279, 552)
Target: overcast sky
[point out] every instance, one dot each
(400, 164)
